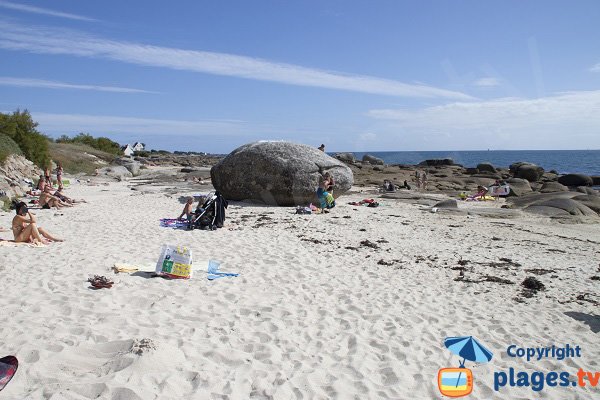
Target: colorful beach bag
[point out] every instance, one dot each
(175, 262)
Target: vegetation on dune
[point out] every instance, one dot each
(76, 158)
(20, 127)
(102, 143)
(8, 147)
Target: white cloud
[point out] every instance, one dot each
(40, 83)
(53, 41)
(566, 120)
(51, 123)
(487, 82)
(595, 68)
(43, 11)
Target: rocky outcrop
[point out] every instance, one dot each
(486, 167)
(437, 162)
(519, 187)
(277, 173)
(450, 203)
(346, 157)
(575, 180)
(118, 172)
(372, 160)
(132, 165)
(15, 174)
(551, 187)
(525, 170)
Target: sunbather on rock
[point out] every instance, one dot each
(25, 229)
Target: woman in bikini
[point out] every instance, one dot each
(26, 230)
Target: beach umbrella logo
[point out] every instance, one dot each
(458, 382)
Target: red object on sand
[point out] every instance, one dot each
(8, 369)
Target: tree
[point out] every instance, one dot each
(21, 128)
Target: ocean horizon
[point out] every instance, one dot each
(563, 161)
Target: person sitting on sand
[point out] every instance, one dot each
(405, 185)
(388, 186)
(322, 148)
(47, 200)
(324, 194)
(188, 209)
(25, 229)
(62, 197)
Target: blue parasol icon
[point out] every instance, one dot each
(468, 348)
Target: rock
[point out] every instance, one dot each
(587, 190)
(450, 203)
(569, 206)
(575, 180)
(551, 187)
(528, 171)
(591, 201)
(549, 177)
(518, 187)
(277, 173)
(595, 180)
(13, 173)
(129, 163)
(377, 168)
(486, 167)
(116, 171)
(437, 161)
(372, 160)
(471, 171)
(346, 157)
(187, 170)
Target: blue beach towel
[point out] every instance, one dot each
(213, 271)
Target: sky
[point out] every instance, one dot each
(355, 75)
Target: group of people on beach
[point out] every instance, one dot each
(24, 224)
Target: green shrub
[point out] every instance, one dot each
(8, 147)
(20, 127)
(141, 153)
(103, 144)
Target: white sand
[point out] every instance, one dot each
(303, 320)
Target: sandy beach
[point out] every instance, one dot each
(353, 304)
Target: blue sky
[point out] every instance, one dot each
(354, 75)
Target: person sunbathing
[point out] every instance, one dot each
(25, 228)
(324, 194)
(47, 200)
(480, 195)
(62, 197)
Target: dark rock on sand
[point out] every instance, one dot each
(525, 170)
(450, 203)
(519, 187)
(471, 171)
(559, 207)
(277, 173)
(437, 161)
(575, 180)
(595, 180)
(591, 201)
(346, 157)
(372, 160)
(486, 167)
(551, 187)
(587, 190)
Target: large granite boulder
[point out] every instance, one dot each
(586, 190)
(372, 159)
(595, 180)
(575, 180)
(486, 167)
(551, 187)
(437, 162)
(519, 187)
(591, 201)
(346, 157)
(118, 172)
(132, 165)
(525, 170)
(559, 207)
(277, 173)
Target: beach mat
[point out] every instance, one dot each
(8, 369)
(173, 223)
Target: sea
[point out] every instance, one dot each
(563, 161)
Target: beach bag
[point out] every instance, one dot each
(175, 262)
